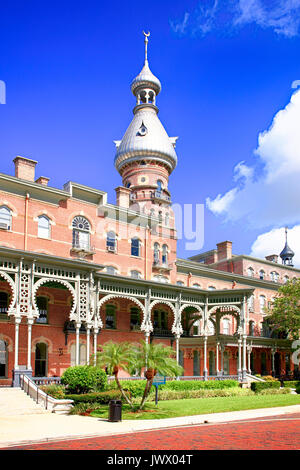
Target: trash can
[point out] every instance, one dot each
(115, 411)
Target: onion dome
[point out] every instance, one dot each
(287, 253)
(146, 138)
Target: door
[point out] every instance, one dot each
(3, 359)
(41, 356)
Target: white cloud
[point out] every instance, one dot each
(269, 194)
(281, 16)
(272, 242)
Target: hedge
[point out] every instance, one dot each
(291, 383)
(134, 387)
(97, 397)
(199, 384)
(259, 386)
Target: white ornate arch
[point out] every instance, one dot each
(12, 285)
(231, 308)
(197, 307)
(114, 296)
(155, 302)
(42, 281)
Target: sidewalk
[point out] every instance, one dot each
(28, 429)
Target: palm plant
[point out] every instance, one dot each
(116, 356)
(158, 359)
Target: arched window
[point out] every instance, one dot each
(197, 286)
(110, 317)
(135, 247)
(156, 253)
(250, 272)
(111, 270)
(167, 219)
(3, 359)
(5, 218)
(251, 327)
(180, 283)
(41, 359)
(4, 302)
(44, 227)
(164, 257)
(159, 185)
(226, 326)
(251, 303)
(111, 241)
(42, 305)
(135, 318)
(81, 233)
(285, 279)
(262, 274)
(135, 274)
(262, 303)
(196, 363)
(159, 278)
(211, 288)
(274, 276)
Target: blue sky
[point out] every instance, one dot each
(226, 69)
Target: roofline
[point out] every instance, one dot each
(260, 260)
(32, 184)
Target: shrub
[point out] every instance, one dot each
(275, 391)
(291, 383)
(259, 386)
(83, 379)
(134, 387)
(199, 384)
(98, 397)
(55, 391)
(298, 388)
(201, 393)
(84, 408)
(269, 378)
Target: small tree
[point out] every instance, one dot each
(284, 313)
(158, 358)
(116, 356)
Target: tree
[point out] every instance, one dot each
(284, 312)
(116, 356)
(157, 358)
(189, 318)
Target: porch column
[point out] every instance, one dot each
(239, 371)
(217, 359)
(273, 352)
(96, 330)
(244, 372)
(30, 323)
(249, 350)
(77, 344)
(222, 358)
(205, 358)
(88, 331)
(17, 324)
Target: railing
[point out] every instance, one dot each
(42, 398)
(46, 380)
(162, 332)
(183, 377)
(83, 246)
(160, 195)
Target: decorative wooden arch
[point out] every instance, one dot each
(12, 285)
(42, 281)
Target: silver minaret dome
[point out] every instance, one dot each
(146, 139)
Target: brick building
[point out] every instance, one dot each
(76, 271)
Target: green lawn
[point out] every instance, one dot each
(197, 406)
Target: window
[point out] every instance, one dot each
(250, 272)
(135, 274)
(159, 278)
(196, 328)
(41, 356)
(180, 283)
(156, 253)
(251, 303)
(285, 279)
(42, 305)
(262, 274)
(135, 318)
(226, 326)
(43, 227)
(111, 244)
(159, 185)
(111, 270)
(262, 303)
(164, 257)
(3, 359)
(82, 354)
(274, 276)
(167, 219)
(110, 317)
(211, 328)
(211, 288)
(251, 328)
(81, 233)
(3, 302)
(197, 286)
(135, 247)
(160, 319)
(5, 218)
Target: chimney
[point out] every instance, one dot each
(273, 258)
(224, 250)
(25, 168)
(123, 196)
(43, 180)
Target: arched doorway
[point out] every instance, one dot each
(212, 366)
(3, 359)
(41, 360)
(196, 364)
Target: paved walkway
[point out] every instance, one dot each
(25, 429)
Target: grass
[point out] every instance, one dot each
(189, 407)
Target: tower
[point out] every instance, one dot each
(145, 157)
(287, 254)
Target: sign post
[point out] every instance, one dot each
(157, 381)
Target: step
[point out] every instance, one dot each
(15, 402)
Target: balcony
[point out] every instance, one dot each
(83, 248)
(160, 196)
(162, 333)
(162, 266)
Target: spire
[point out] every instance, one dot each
(146, 45)
(287, 253)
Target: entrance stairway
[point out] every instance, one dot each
(15, 402)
